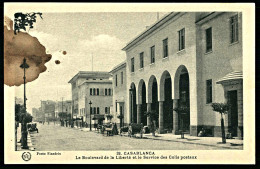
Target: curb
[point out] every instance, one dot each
(29, 142)
(204, 144)
(184, 141)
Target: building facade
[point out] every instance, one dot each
(48, 109)
(119, 96)
(187, 60)
(95, 88)
(63, 106)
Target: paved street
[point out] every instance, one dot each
(57, 138)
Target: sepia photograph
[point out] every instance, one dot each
(91, 85)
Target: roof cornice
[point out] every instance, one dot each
(118, 67)
(151, 29)
(208, 17)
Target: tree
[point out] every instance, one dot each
(18, 109)
(153, 117)
(222, 108)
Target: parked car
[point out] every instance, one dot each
(32, 127)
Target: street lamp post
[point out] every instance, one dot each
(24, 66)
(90, 116)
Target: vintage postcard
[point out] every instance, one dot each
(121, 83)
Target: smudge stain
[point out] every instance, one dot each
(64, 52)
(16, 48)
(57, 62)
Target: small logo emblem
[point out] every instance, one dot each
(26, 156)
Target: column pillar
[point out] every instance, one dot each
(175, 117)
(139, 109)
(149, 108)
(161, 129)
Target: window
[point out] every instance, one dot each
(209, 91)
(152, 54)
(109, 92)
(94, 91)
(234, 29)
(122, 80)
(182, 39)
(132, 64)
(165, 48)
(105, 91)
(142, 60)
(116, 106)
(97, 91)
(91, 110)
(105, 110)
(208, 40)
(116, 80)
(97, 110)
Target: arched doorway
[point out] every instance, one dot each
(132, 101)
(166, 97)
(182, 92)
(153, 96)
(144, 105)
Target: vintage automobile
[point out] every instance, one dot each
(32, 127)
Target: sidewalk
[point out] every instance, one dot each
(29, 141)
(206, 141)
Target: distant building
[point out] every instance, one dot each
(35, 113)
(48, 109)
(119, 95)
(63, 106)
(95, 87)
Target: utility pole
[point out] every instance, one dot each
(92, 61)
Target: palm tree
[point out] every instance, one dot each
(222, 108)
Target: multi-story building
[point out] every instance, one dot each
(119, 88)
(48, 109)
(63, 106)
(187, 59)
(94, 87)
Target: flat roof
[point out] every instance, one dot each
(119, 66)
(90, 74)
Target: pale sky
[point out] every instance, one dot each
(80, 35)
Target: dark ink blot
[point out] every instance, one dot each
(64, 52)
(22, 20)
(57, 62)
